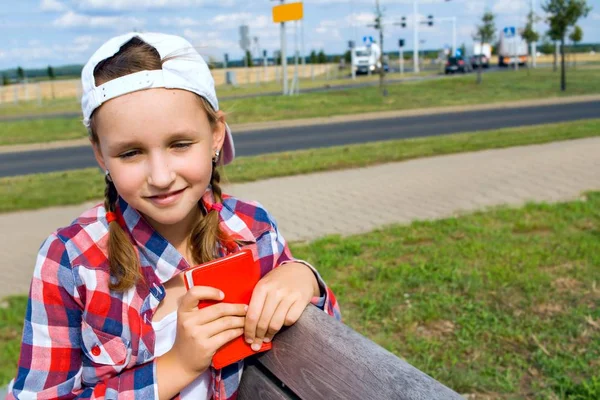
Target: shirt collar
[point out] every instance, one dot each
(155, 251)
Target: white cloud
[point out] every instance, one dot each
(138, 4)
(74, 20)
(179, 21)
(474, 7)
(510, 7)
(52, 5)
(329, 28)
(359, 19)
(234, 20)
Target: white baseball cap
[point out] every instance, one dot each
(186, 70)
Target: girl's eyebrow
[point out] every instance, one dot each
(179, 135)
(124, 145)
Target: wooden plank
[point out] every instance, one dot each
(321, 358)
(255, 385)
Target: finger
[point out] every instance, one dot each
(257, 344)
(217, 311)
(190, 300)
(224, 324)
(254, 311)
(221, 339)
(294, 313)
(271, 304)
(278, 318)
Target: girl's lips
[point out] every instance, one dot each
(166, 199)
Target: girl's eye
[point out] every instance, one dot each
(128, 154)
(182, 145)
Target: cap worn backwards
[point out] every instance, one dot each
(185, 69)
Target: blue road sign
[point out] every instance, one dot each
(368, 39)
(458, 53)
(509, 31)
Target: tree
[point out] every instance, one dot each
(51, 77)
(529, 33)
(546, 47)
(313, 57)
(249, 60)
(321, 57)
(485, 33)
(576, 36)
(348, 56)
(562, 15)
(21, 74)
(379, 26)
(4, 80)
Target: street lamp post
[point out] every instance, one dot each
(415, 37)
(533, 43)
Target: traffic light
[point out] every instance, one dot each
(430, 20)
(401, 43)
(403, 23)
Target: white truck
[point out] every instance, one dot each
(366, 59)
(512, 50)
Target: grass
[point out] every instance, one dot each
(496, 87)
(502, 304)
(77, 186)
(71, 104)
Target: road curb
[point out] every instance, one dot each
(259, 126)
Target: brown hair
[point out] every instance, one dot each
(135, 56)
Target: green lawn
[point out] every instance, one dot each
(503, 304)
(496, 87)
(78, 186)
(71, 104)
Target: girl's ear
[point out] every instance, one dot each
(98, 155)
(219, 131)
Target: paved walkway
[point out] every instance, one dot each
(360, 200)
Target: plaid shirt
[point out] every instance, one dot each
(81, 340)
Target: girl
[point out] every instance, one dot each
(108, 314)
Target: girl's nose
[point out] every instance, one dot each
(160, 175)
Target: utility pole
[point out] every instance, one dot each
(415, 37)
(533, 43)
(284, 57)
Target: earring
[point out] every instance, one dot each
(108, 177)
(216, 157)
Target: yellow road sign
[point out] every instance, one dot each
(288, 12)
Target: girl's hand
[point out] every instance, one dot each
(200, 333)
(279, 299)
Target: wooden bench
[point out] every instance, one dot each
(321, 358)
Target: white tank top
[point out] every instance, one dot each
(166, 330)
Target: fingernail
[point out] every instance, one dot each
(221, 295)
(249, 341)
(256, 347)
(267, 340)
(245, 308)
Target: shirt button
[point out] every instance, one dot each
(96, 350)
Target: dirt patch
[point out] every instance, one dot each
(417, 241)
(435, 329)
(532, 230)
(566, 284)
(547, 309)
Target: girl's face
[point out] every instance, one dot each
(158, 146)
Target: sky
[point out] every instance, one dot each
(37, 33)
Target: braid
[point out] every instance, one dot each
(206, 233)
(122, 258)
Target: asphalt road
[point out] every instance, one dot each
(305, 137)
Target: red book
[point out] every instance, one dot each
(235, 275)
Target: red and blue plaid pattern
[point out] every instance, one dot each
(81, 340)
